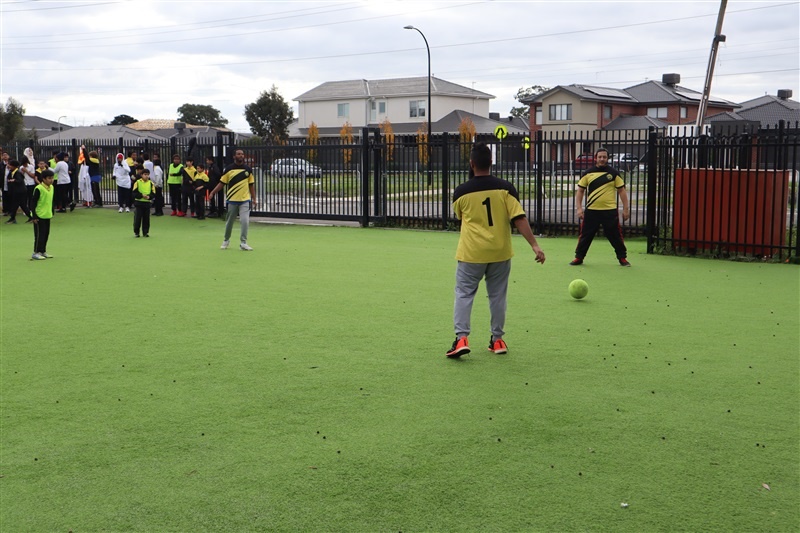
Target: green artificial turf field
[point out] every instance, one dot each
(163, 384)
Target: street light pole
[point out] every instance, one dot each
(59, 130)
(430, 162)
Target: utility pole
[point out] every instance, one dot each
(718, 38)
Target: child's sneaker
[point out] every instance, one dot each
(46, 255)
(38, 257)
(576, 262)
(460, 347)
(624, 262)
(498, 346)
(225, 245)
(246, 247)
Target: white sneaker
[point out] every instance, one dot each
(246, 247)
(46, 255)
(127, 209)
(120, 210)
(38, 257)
(225, 245)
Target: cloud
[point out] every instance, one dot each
(147, 58)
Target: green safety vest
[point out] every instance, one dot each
(44, 207)
(174, 175)
(146, 188)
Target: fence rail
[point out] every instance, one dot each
(726, 195)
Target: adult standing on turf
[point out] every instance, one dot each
(240, 194)
(95, 176)
(215, 202)
(63, 183)
(174, 181)
(122, 175)
(603, 184)
(487, 207)
(18, 193)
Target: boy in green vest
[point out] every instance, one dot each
(174, 181)
(143, 192)
(42, 213)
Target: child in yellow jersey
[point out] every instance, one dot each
(187, 191)
(200, 185)
(143, 193)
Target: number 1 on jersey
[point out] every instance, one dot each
(488, 205)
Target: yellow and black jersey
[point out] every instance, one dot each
(200, 179)
(486, 206)
(601, 186)
(238, 179)
(188, 174)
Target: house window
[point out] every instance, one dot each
(343, 110)
(657, 112)
(376, 109)
(606, 112)
(539, 115)
(561, 112)
(684, 111)
(416, 108)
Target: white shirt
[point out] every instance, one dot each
(62, 173)
(122, 174)
(28, 180)
(157, 176)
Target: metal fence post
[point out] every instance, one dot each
(539, 149)
(365, 177)
(652, 230)
(445, 159)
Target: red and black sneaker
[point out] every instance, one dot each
(460, 347)
(498, 346)
(575, 262)
(624, 262)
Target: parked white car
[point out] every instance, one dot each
(624, 162)
(294, 168)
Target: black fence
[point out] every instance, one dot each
(733, 194)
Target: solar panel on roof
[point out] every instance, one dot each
(691, 95)
(604, 91)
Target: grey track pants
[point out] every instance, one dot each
(243, 210)
(468, 277)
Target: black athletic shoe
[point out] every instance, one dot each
(576, 262)
(624, 262)
(460, 347)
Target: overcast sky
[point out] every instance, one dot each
(91, 61)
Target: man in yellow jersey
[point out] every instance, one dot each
(240, 195)
(487, 207)
(603, 184)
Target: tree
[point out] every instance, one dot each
(422, 143)
(11, 120)
(201, 115)
(466, 135)
(269, 116)
(346, 135)
(313, 140)
(524, 111)
(122, 120)
(388, 133)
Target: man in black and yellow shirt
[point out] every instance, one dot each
(601, 185)
(487, 207)
(240, 195)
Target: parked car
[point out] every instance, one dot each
(624, 162)
(583, 162)
(294, 168)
